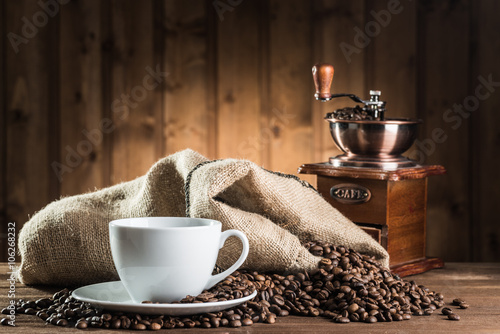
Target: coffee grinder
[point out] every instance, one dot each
(371, 183)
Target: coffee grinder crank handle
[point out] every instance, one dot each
(323, 76)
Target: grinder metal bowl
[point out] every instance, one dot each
(368, 141)
(372, 143)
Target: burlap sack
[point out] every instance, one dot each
(275, 211)
(67, 242)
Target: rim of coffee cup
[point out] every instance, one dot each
(125, 223)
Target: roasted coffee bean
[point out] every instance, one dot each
(42, 315)
(81, 325)
(145, 322)
(371, 319)
(316, 250)
(260, 278)
(125, 322)
(235, 323)
(265, 304)
(349, 113)
(278, 300)
(283, 313)
(29, 304)
(271, 318)
(116, 323)
(188, 323)
(62, 322)
(138, 326)
(30, 311)
(463, 305)
(275, 309)
(43, 302)
(458, 301)
(342, 320)
(446, 311)
(154, 326)
(353, 308)
(453, 316)
(354, 317)
(313, 312)
(6, 322)
(346, 285)
(215, 322)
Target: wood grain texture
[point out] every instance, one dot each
(83, 122)
(373, 173)
(443, 85)
(417, 267)
(135, 76)
(372, 212)
(290, 122)
(393, 212)
(30, 101)
(242, 87)
(322, 77)
(188, 122)
(391, 55)
(406, 219)
(239, 115)
(3, 137)
(333, 36)
(477, 283)
(485, 142)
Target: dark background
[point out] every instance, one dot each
(80, 110)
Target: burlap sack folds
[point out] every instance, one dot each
(67, 242)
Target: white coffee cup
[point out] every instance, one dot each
(164, 259)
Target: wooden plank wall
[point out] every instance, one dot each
(30, 110)
(445, 82)
(485, 139)
(99, 90)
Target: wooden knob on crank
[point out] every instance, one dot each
(322, 75)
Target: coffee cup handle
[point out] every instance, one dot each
(244, 253)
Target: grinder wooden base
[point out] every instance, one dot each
(388, 205)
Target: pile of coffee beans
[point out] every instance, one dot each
(63, 310)
(351, 114)
(346, 287)
(232, 287)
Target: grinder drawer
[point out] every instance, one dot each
(369, 209)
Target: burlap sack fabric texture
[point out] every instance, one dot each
(67, 242)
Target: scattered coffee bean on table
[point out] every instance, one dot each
(458, 301)
(446, 311)
(346, 287)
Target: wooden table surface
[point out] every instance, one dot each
(477, 283)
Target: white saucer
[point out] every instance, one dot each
(113, 296)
